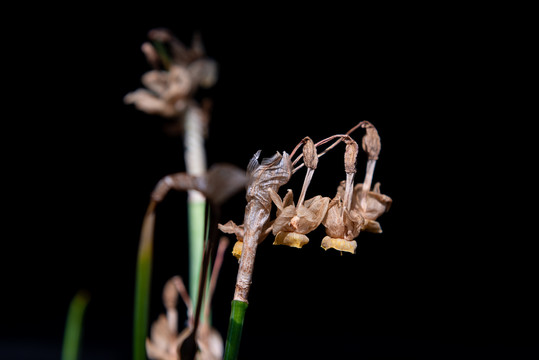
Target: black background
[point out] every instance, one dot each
(453, 273)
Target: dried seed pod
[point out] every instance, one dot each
(310, 157)
(350, 156)
(371, 141)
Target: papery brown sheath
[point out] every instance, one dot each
(271, 173)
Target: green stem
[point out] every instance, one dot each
(196, 213)
(235, 327)
(142, 285)
(73, 329)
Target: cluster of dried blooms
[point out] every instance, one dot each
(355, 207)
(352, 210)
(165, 340)
(171, 85)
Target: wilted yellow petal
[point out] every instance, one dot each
(339, 244)
(236, 250)
(291, 239)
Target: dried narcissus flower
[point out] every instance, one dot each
(294, 222)
(371, 204)
(164, 331)
(375, 205)
(164, 339)
(342, 224)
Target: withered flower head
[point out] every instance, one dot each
(375, 204)
(342, 224)
(293, 223)
(169, 92)
(164, 338)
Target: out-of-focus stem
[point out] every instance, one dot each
(73, 328)
(142, 285)
(195, 163)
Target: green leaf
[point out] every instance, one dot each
(142, 285)
(73, 328)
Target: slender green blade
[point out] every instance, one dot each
(235, 328)
(142, 285)
(73, 328)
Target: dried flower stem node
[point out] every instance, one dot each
(339, 244)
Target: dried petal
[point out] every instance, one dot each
(231, 228)
(339, 244)
(223, 181)
(311, 214)
(341, 222)
(151, 104)
(218, 184)
(236, 250)
(377, 203)
(203, 72)
(291, 239)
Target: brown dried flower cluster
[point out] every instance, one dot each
(177, 75)
(352, 210)
(164, 337)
